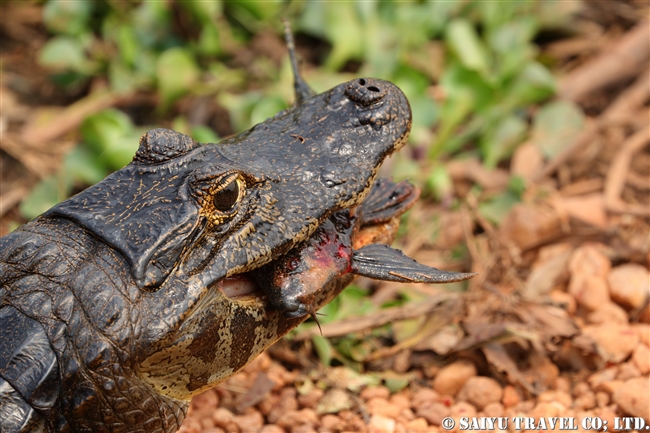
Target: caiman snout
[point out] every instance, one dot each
(366, 91)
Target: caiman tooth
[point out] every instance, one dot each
(381, 262)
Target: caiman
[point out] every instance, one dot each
(121, 303)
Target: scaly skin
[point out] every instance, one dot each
(112, 307)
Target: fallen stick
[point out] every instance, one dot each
(617, 174)
(70, 118)
(618, 111)
(624, 60)
(378, 318)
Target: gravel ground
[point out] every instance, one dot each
(616, 383)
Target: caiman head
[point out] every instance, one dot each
(192, 220)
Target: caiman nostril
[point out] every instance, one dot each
(365, 91)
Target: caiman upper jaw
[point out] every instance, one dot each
(313, 160)
(365, 91)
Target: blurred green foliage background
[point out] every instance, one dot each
(471, 70)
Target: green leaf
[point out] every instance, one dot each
(182, 125)
(462, 38)
(439, 182)
(121, 152)
(501, 138)
(345, 33)
(101, 130)
(82, 165)
(177, 72)
(533, 84)
(128, 44)
(517, 186)
(240, 107)
(64, 53)
(122, 80)
(47, 193)
(260, 10)
(395, 382)
(405, 329)
(151, 22)
(512, 45)
(112, 136)
(498, 207)
(323, 349)
(209, 42)
(204, 11)
(267, 107)
(405, 168)
(68, 17)
(460, 82)
(557, 125)
(353, 302)
(204, 134)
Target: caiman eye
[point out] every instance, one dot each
(226, 198)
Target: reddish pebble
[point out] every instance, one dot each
(628, 370)
(559, 396)
(311, 399)
(271, 428)
(381, 424)
(250, 421)
(629, 285)
(406, 415)
(297, 417)
(547, 409)
(462, 409)
(374, 391)
(564, 300)
(418, 425)
(222, 417)
(380, 406)
(585, 401)
(581, 388)
(562, 384)
(615, 341)
(602, 399)
(608, 313)
(494, 409)
(287, 402)
(332, 422)
(610, 387)
(451, 378)
(608, 415)
(600, 377)
(634, 397)
(480, 391)
(401, 401)
(206, 423)
(591, 292)
(434, 413)
(590, 259)
(643, 331)
(510, 396)
(269, 402)
(424, 396)
(303, 428)
(641, 358)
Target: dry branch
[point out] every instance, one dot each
(378, 318)
(625, 60)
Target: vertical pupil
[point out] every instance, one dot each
(225, 199)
